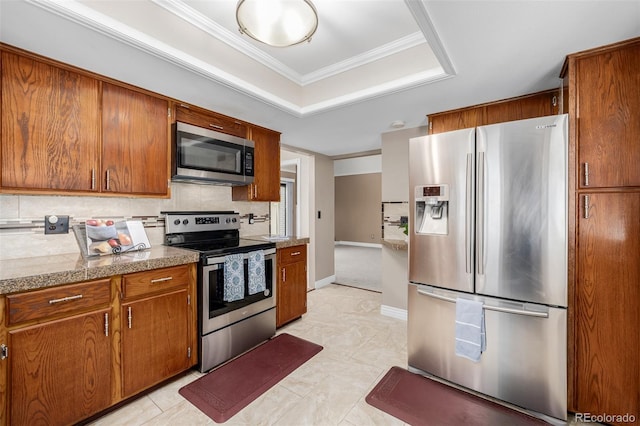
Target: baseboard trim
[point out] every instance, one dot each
(356, 243)
(390, 311)
(325, 281)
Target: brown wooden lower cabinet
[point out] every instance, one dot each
(60, 371)
(292, 284)
(155, 340)
(608, 304)
(75, 350)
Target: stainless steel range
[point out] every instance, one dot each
(236, 283)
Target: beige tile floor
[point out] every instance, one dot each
(360, 345)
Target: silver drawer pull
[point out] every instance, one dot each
(295, 253)
(159, 280)
(65, 299)
(215, 126)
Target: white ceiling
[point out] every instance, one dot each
(370, 63)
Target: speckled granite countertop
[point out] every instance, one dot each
(281, 242)
(46, 271)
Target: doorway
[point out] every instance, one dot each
(359, 266)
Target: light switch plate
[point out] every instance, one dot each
(56, 224)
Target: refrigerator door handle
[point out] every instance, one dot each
(489, 307)
(468, 215)
(480, 214)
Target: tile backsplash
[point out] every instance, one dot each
(22, 216)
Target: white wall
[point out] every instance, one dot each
(395, 187)
(357, 165)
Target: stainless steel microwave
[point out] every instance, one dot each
(205, 156)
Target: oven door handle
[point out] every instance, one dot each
(220, 259)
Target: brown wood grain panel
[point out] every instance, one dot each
(50, 126)
(291, 294)
(157, 280)
(292, 254)
(60, 371)
(135, 137)
(608, 113)
(607, 314)
(266, 185)
(155, 346)
(56, 301)
(3, 365)
(210, 120)
(455, 120)
(537, 105)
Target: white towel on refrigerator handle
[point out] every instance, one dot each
(471, 338)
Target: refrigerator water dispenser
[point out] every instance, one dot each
(432, 209)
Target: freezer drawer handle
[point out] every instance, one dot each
(488, 307)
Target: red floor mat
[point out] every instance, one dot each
(418, 400)
(228, 389)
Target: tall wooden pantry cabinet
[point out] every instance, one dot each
(602, 97)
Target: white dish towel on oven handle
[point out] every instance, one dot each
(233, 277)
(257, 279)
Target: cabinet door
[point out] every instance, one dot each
(607, 305)
(292, 292)
(155, 340)
(537, 105)
(50, 126)
(266, 185)
(456, 120)
(210, 120)
(608, 112)
(135, 132)
(60, 371)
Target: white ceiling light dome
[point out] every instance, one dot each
(278, 23)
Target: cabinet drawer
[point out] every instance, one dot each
(292, 254)
(157, 280)
(66, 299)
(210, 120)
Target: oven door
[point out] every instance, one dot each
(217, 313)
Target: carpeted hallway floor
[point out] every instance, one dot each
(358, 266)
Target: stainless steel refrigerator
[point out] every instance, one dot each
(488, 222)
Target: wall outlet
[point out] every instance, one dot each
(56, 224)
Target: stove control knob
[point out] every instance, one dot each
(185, 222)
(234, 220)
(176, 222)
(228, 220)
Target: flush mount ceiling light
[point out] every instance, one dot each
(278, 23)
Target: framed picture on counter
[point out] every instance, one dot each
(101, 237)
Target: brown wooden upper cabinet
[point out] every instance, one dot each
(535, 105)
(266, 185)
(211, 120)
(604, 99)
(135, 142)
(64, 131)
(50, 126)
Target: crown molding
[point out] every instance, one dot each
(419, 11)
(95, 21)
